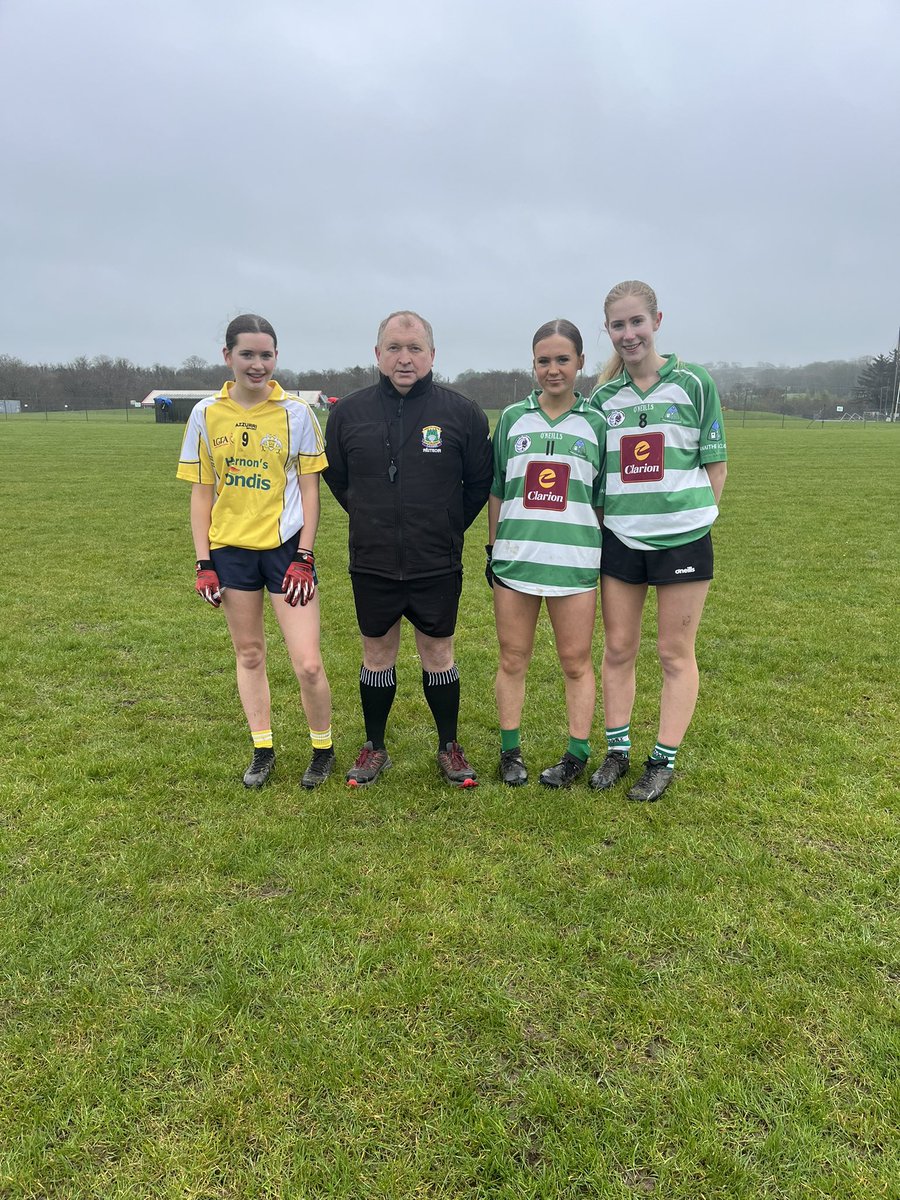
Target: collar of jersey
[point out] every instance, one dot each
(666, 369)
(276, 392)
(579, 405)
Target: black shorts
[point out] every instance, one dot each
(252, 570)
(430, 604)
(689, 563)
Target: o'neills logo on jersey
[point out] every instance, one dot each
(546, 486)
(642, 457)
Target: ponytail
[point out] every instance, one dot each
(611, 368)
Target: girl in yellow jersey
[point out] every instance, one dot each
(253, 454)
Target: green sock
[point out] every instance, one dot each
(580, 747)
(509, 739)
(619, 739)
(666, 752)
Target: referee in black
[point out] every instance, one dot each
(411, 463)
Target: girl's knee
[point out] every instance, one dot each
(576, 667)
(676, 657)
(513, 661)
(620, 654)
(310, 673)
(251, 657)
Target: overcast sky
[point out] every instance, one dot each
(490, 163)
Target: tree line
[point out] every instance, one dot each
(860, 385)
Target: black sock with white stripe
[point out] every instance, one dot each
(377, 690)
(441, 690)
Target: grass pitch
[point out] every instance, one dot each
(418, 992)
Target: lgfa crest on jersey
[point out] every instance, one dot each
(615, 418)
(432, 439)
(521, 444)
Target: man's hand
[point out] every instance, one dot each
(488, 570)
(207, 584)
(299, 583)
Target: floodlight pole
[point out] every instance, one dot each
(896, 390)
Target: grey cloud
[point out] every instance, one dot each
(490, 165)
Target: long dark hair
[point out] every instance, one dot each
(564, 328)
(248, 323)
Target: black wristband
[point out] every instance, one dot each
(489, 551)
(304, 556)
(205, 564)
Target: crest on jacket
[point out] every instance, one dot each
(432, 438)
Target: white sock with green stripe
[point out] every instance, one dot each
(619, 739)
(667, 752)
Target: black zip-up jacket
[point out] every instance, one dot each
(413, 472)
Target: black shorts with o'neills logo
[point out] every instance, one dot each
(689, 563)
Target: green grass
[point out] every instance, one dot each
(103, 416)
(417, 992)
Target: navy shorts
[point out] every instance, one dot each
(689, 563)
(252, 570)
(430, 604)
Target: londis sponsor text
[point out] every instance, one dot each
(235, 477)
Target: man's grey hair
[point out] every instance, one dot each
(406, 317)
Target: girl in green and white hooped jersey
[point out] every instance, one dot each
(544, 532)
(665, 470)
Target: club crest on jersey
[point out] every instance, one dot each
(521, 444)
(615, 418)
(546, 486)
(272, 443)
(579, 448)
(715, 431)
(432, 439)
(672, 413)
(642, 457)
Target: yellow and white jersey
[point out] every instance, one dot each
(253, 458)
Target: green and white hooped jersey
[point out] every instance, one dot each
(548, 475)
(658, 442)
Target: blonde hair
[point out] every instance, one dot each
(629, 287)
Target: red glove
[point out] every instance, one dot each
(299, 583)
(207, 584)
